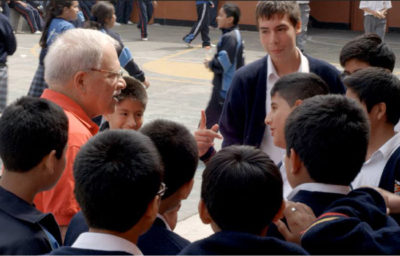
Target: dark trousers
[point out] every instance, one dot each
(31, 15)
(86, 7)
(214, 14)
(145, 14)
(201, 25)
(123, 10)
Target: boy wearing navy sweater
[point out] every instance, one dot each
(241, 195)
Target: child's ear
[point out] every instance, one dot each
(297, 102)
(203, 213)
(298, 27)
(295, 161)
(49, 162)
(230, 19)
(186, 189)
(279, 214)
(380, 109)
(152, 209)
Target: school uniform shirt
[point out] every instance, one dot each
(318, 196)
(161, 240)
(372, 169)
(60, 200)
(375, 5)
(91, 243)
(238, 243)
(355, 224)
(24, 229)
(267, 143)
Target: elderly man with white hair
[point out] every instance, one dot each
(84, 76)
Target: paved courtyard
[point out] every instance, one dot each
(180, 84)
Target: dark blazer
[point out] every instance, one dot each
(355, 224)
(76, 227)
(158, 240)
(22, 227)
(66, 250)
(243, 114)
(236, 243)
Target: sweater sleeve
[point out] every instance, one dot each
(7, 36)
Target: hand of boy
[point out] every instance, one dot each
(205, 137)
(299, 217)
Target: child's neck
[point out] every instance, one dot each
(378, 137)
(19, 185)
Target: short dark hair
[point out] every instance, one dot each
(371, 49)
(375, 85)
(102, 11)
(117, 174)
(299, 86)
(330, 134)
(134, 90)
(232, 10)
(267, 9)
(30, 128)
(242, 189)
(178, 151)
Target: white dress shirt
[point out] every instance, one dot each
(267, 144)
(320, 187)
(372, 169)
(375, 5)
(105, 242)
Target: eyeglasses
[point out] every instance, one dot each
(162, 189)
(116, 75)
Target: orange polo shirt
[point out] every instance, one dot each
(60, 200)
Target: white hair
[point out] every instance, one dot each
(75, 50)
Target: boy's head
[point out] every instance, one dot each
(287, 93)
(278, 23)
(365, 51)
(178, 150)
(326, 140)
(228, 15)
(117, 176)
(241, 190)
(130, 108)
(30, 130)
(378, 91)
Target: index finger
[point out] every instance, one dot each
(203, 120)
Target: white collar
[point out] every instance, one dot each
(105, 242)
(303, 67)
(320, 187)
(164, 220)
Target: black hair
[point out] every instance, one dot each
(134, 90)
(375, 85)
(30, 128)
(101, 11)
(232, 10)
(371, 49)
(299, 86)
(242, 189)
(117, 174)
(267, 9)
(178, 151)
(330, 135)
(54, 9)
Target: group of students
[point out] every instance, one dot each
(128, 181)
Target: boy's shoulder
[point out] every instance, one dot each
(67, 250)
(229, 242)
(160, 240)
(22, 227)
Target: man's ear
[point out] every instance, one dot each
(279, 215)
(79, 80)
(295, 161)
(203, 213)
(298, 27)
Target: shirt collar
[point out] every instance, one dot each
(304, 66)
(71, 106)
(320, 187)
(164, 221)
(105, 242)
(386, 150)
